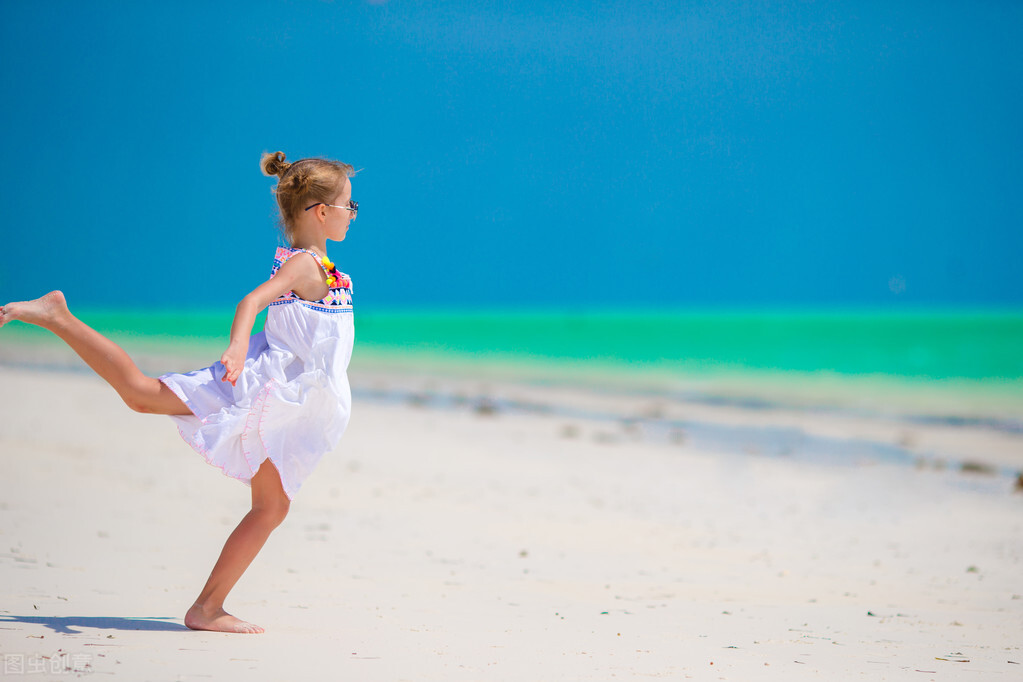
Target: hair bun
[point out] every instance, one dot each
(274, 164)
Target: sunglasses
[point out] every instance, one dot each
(352, 206)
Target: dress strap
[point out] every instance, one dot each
(319, 260)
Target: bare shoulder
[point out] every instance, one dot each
(302, 274)
(301, 264)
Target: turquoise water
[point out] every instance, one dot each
(937, 345)
(919, 345)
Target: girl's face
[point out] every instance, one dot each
(338, 219)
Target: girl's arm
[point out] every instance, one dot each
(296, 273)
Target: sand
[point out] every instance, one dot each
(471, 530)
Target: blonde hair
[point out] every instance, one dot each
(305, 182)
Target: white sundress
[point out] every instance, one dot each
(291, 402)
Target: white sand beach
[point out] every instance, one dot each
(452, 537)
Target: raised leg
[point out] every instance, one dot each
(106, 358)
(270, 506)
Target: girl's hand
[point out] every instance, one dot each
(297, 273)
(233, 360)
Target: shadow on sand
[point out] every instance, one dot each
(65, 624)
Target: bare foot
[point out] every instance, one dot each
(217, 620)
(43, 311)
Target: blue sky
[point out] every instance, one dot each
(565, 155)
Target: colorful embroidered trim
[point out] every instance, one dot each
(339, 285)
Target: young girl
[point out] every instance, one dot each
(277, 400)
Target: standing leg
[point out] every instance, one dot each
(270, 505)
(106, 358)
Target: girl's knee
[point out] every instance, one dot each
(272, 513)
(141, 403)
(134, 396)
(146, 395)
(136, 402)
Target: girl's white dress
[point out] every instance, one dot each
(291, 402)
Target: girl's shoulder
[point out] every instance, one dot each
(339, 285)
(285, 253)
